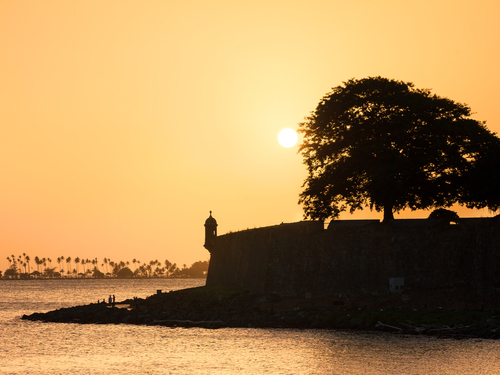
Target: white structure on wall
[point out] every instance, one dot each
(396, 284)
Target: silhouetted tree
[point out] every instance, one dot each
(49, 272)
(173, 269)
(19, 268)
(27, 260)
(12, 272)
(124, 273)
(117, 267)
(68, 262)
(38, 262)
(386, 145)
(442, 213)
(482, 180)
(198, 269)
(77, 264)
(96, 273)
(168, 264)
(141, 271)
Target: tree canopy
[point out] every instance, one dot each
(125, 273)
(384, 144)
(442, 213)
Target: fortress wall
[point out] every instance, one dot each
(244, 257)
(360, 256)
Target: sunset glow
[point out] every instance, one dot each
(123, 123)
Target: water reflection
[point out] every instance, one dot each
(49, 348)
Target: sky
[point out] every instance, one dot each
(123, 123)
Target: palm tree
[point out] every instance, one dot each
(49, 272)
(172, 269)
(77, 264)
(37, 261)
(88, 261)
(167, 267)
(27, 259)
(68, 261)
(141, 270)
(117, 266)
(26, 263)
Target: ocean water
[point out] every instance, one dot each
(56, 348)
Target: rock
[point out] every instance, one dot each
(201, 307)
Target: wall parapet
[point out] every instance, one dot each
(306, 226)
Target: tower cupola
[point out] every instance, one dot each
(210, 232)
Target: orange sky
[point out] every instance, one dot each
(124, 122)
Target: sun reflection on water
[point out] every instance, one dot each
(49, 348)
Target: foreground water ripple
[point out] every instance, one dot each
(49, 348)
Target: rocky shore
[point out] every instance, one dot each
(228, 306)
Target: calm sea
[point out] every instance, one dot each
(54, 348)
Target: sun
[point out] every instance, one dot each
(287, 137)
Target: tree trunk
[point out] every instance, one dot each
(388, 214)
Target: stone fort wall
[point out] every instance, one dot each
(359, 256)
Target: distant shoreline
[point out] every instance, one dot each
(103, 278)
